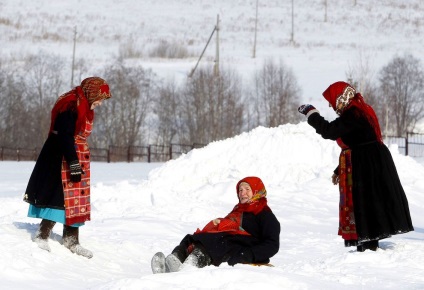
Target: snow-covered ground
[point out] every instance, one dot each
(139, 209)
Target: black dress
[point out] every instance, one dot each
(45, 188)
(380, 205)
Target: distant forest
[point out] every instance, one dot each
(206, 107)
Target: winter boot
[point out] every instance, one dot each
(158, 263)
(198, 258)
(369, 245)
(70, 241)
(173, 264)
(175, 260)
(43, 234)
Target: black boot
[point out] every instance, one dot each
(70, 240)
(369, 245)
(43, 234)
(180, 252)
(198, 258)
(373, 245)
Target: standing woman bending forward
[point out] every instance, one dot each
(373, 205)
(59, 187)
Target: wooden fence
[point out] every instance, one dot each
(412, 145)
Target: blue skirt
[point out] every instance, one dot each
(56, 215)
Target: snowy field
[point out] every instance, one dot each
(350, 35)
(139, 209)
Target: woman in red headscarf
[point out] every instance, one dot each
(59, 187)
(250, 233)
(373, 205)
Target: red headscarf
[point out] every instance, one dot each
(80, 100)
(95, 89)
(342, 96)
(232, 222)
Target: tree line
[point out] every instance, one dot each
(207, 107)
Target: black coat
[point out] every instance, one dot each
(262, 244)
(380, 205)
(44, 188)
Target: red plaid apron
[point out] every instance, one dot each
(77, 195)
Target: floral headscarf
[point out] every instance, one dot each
(80, 100)
(232, 222)
(95, 89)
(342, 96)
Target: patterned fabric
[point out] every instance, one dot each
(339, 95)
(347, 226)
(342, 95)
(92, 89)
(77, 195)
(257, 186)
(233, 221)
(230, 224)
(95, 89)
(343, 101)
(70, 100)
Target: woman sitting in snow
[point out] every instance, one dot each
(250, 233)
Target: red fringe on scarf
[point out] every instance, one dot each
(232, 222)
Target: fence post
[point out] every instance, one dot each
(170, 151)
(128, 154)
(1, 153)
(148, 154)
(406, 144)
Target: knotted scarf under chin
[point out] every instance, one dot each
(232, 223)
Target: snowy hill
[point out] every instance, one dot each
(139, 209)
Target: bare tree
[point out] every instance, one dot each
(24, 120)
(212, 106)
(44, 84)
(13, 121)
(121, 119)
(167, 108)
(276, 94)
(362, 77)
(402, 83)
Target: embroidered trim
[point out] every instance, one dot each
(344, 99)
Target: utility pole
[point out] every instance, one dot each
(73, 57)
(256, 28)
(325, 7)
(292, 32)
(216, 67)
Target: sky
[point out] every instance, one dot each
(139, 209)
